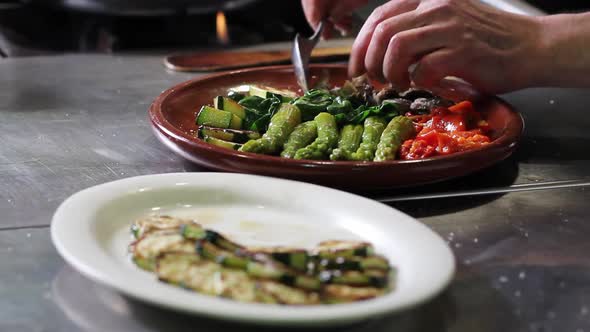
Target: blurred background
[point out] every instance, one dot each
(32, 27)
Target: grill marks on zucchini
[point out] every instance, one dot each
(183, 253)
(256, 265)
(276, 271)
(155, 223)
(354, 263)
(334, 249)
(222, 241)
(287, 295)
(210, 251)
(207, 277)
(345, 293)
(294, 258)
(192, 272)
(228, 135)
(151, 245)
(372, 278)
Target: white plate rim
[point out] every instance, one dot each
(71, 251)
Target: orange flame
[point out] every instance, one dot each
(221, 24)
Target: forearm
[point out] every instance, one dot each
(564, 51)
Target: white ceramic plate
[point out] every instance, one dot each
(91, 231)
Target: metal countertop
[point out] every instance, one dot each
(74, 121)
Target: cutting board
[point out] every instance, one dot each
(222, 60)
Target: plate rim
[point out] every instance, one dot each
(162, 125)
(60, 220)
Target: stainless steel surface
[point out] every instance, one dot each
(67, 123)
(70, 122)
(489, 191)
(301, 54)
(521, 267)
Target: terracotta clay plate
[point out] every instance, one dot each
(173, 119)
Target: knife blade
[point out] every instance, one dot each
(301, 53)
(562, 184)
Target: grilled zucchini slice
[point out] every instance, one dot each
(237, 285)
(287, 295)
(276, 272)
(230, 135)
(354, 263)
(210, 116)
(335, 249)
(172, 267)
(229, 105)
(206, 277)
(151, 245)
(183, 253)
(294, 258)
(193, 232)
(156, 223)
(222, 242)
(222, 143)
(225, 258)
(345, 293)
(187, 271)
(268, 92)
(372, 278)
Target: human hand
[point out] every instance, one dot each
(338, 14)
(489, 48)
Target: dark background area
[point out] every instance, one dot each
(47, 26)
(560, 6)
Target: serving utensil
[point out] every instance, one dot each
(301, 54)
(491, 191)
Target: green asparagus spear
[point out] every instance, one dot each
(398, 130)
(373, 128)
(302, 136)
(350, 138)
(326, 140)
(280, 127)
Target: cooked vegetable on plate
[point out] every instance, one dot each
(353, 122)
(183, 253)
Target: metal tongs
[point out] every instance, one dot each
(301, 54)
